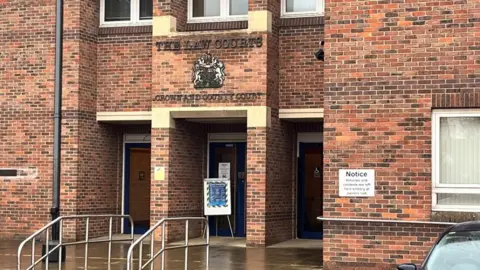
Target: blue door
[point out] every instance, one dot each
(235, 154)
(310, 191)
(137, 187)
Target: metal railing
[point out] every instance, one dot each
(87, 241)
(154, 255)
(384, 221)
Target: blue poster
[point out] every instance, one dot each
(217, 194)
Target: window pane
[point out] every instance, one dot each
(458, 199)
(238, 7)
(301, 5)
(459, 150)
(206, 8)
(117, 10)
(146, 9)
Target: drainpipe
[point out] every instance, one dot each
(57, 116)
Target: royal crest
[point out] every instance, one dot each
(208, 72)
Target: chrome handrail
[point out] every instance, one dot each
(153, 256)
(45, 229)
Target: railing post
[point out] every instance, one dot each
(60, 241)
(110, 227)
(152, 250)
(47, 249)
(33, 254)
(208, 244)
(163, 246)
(86, 243)
(140, 259)
(186, 244)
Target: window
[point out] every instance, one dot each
(456, 160)
(217, 10)
(125, 12)
(302, 8)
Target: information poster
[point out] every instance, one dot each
(357, 183)
(217, 197)
(224, 170)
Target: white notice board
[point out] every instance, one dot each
(356, 183)
(217, 197)
(224, 170)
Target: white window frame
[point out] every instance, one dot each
(134, 16)
(437, 187)
(320, 11)
(224, 14)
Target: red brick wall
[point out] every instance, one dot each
(280, 206)
(385, 63)
(301, 74)
(178, 9)
(26, 123)
(256, 186)
(124, 72)
(245, 70)
(181, 151)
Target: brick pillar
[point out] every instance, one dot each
(270, 179)
(173, 8)
(256, 185)
(280, 208)
(180, 149)
(89, 171)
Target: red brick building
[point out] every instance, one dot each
(157, 93)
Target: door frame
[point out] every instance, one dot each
(223, 139)
(143, 138)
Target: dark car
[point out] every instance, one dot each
(457, 248)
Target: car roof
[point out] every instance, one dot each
(466, 226)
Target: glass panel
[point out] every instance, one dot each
(458, 199)
(456, 250)
(206, 8)
(459, 150)
(301, 5)
(117, 10)
(146, 9)
(238, 7)
(227, 155)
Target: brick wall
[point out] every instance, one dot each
(245, 70)
(181, 151)
(124, 79)
(26, 123)
(256, 186)
(301, 74)
(280, 205)
(386, 62)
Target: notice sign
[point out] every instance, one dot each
(217, 197)
(357, 183)
(224, 170)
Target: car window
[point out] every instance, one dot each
(456, 251)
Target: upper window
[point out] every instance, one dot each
(217, 10)
(456, 160)
(125, 12)
(302, 8)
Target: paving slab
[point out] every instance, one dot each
(221, 258)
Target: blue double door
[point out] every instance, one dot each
(234, 154)
(310, 191)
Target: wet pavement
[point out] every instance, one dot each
(221, 258)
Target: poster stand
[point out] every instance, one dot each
(217, 200)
